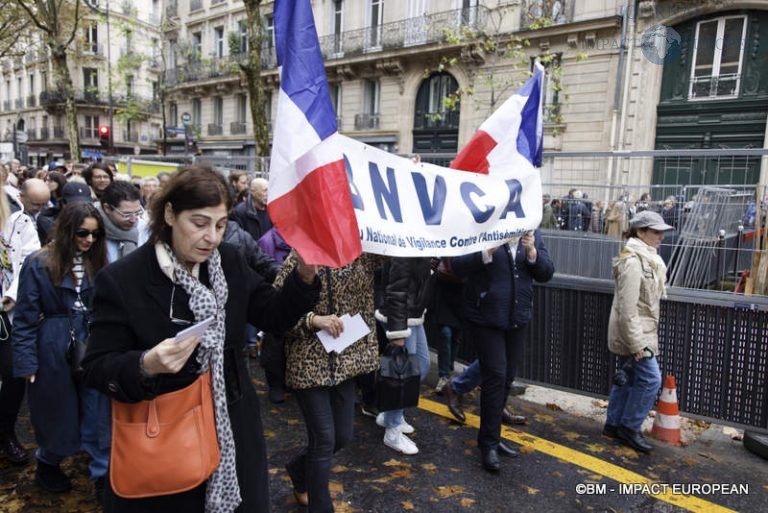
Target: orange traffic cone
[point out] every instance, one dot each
(666, 425)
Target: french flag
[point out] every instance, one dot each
(309, 197)
(511, 137)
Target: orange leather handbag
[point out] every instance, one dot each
(164, 446)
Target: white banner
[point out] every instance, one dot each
(408, 210)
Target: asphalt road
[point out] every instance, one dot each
(565, 466)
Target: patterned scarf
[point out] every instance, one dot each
(223, 492)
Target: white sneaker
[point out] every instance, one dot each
(396, 440)
(404, 427)
(444, 380)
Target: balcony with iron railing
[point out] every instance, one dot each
(58, 132)
(18, 103)
(366, 121)
(6, 105)
(436, 120)
(44, 133)
(536, 14)
(237, 127)
(32, 100)
(215, 129)
(213, 68)
(421, 30)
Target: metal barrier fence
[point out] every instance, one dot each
(253, 166)
(714, 345)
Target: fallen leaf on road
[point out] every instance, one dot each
(337, 469)
(553, 407)
(335, 488)
(709, 456)
(292, 422)
(343, 507)
(596, 448)
(429, 467)
(407, 505)
(392, 463)
(447, 491)
(467, 502)
(570, 435)
(525, 449)
(531, 491)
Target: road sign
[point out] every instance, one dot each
(186, 118)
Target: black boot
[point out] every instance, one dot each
(506, 450)
(13, 450)
(490, 459)
(454, 402)
(51, 478)
(634, 439)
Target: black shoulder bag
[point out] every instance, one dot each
(398, 380)
(75, 347)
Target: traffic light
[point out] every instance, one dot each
(104, 135)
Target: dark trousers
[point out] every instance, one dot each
(12, 389)
(499, 352)
(328, 413)
(273, 360)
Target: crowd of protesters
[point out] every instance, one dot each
(577, 212)
(180, 247)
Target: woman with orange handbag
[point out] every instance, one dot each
(185, 275)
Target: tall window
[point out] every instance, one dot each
(218, 41)
(440, 86)
(375, 18)
(173, 114)
(128, 41)
(92, 38)
(196, 112)
(551, 101)
(197, 46)
(337, 20)
(44, 80)
(155, 45)
(155, 90)
(218, 110)
(371, 96)
(171, 53)
(242, 26)
(31, 83)
(269, 30)
(91, 80)
(242, 108)
(468, 12)
(718, 52)
(129, 89)
(335, 90)
(91, 127)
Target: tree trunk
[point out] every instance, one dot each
(64, 80)
(252, 71)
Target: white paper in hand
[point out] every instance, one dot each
(196, 330)
(355, 328)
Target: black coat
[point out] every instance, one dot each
(500, 294)
(255, 222)
(131, 314)
(408, 288)
(257, 259)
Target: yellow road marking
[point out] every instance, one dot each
(596, 465)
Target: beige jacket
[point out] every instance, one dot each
(640, 275)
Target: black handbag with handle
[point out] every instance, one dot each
(398, 380)
(75, 347)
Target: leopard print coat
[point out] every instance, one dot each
(345, 290)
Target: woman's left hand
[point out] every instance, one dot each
(330, 323)
(306, 272)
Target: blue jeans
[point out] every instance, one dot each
(467, 380)
(629, 405)
(415, 344)
(448, 346)
(328, 414)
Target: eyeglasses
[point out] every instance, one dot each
(83, 233)
(128, 215)
(174, 320)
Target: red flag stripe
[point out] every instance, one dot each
(474, 155)
(317, 217)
